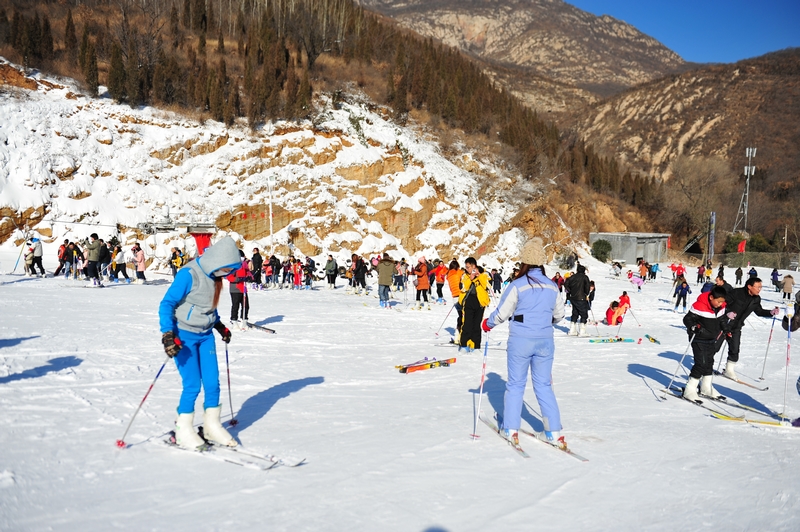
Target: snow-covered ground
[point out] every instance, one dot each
(384, 450)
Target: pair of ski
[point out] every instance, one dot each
(492, 424)
(243, 326)
(424, 364)
(783, 423)
(234, 455)
(610, 340)
(677, 391)
(753, 386)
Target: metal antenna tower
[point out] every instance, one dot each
(749, 171)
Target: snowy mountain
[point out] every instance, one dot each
(350, 182)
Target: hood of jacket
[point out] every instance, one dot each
(223, 254)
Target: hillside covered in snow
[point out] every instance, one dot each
(350, 181)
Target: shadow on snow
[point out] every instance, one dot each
(11, 342)
(258, 405)
(495, 388)
(53, 365)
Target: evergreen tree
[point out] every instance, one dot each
(199, 15)
(186, 18)
(70, 39)
(84, 48)
(116, 74)
(174, 27)
(132, 75)
(210, 21)
(5, 26)
(47, 39)
(292, 84)
(92, 81)
(16, 30)
(304, 92)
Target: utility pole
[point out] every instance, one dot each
(271, 182)
(749, 171)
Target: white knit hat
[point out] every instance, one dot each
(533, 252)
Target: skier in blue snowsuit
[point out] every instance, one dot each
(532, 304)
(187, 314)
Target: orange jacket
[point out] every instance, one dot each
(454, 281)
(440, 271)
(421, 271)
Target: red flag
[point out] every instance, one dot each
(740, 249)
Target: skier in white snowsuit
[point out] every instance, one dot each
(187, 315)
(532, 303)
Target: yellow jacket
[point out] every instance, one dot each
(481, 286)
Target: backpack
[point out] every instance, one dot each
(795, 323)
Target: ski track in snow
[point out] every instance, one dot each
(384, 450)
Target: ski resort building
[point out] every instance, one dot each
(629, 248)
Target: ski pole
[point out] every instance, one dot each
(634, 317)
(761, 378)
(21, 249)
(233, 422)
(480, 396)
(621, 321)
(445, 319)
(595, 322)
(789, 314)
(121, 442)
(680, 363)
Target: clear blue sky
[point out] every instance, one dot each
(709, 31)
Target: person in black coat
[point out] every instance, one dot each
(743, 302)
(577, 286)
(705, 323)
(257, 262)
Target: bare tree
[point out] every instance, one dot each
(697, 186)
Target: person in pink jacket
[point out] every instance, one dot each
(138, 262)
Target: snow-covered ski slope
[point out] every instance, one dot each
(384, 450)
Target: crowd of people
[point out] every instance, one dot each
(93, 260)
(531, 301)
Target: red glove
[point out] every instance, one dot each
(485, 325)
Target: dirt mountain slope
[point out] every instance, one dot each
(716, 110)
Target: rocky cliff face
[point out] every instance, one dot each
(564, 56)
(716, 110)
(349, 182)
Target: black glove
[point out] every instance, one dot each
(223, 331)
(172, 344)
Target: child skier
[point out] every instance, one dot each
(705, 323)
(682, 291)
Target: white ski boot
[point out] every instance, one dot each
(690, 392)
(213, 429)
(185, 434)
(582, 331)
(707, 388)
(730, 370)
(573, 329)
(554, 438)
(511, 435)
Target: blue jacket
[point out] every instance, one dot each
(533, 305)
